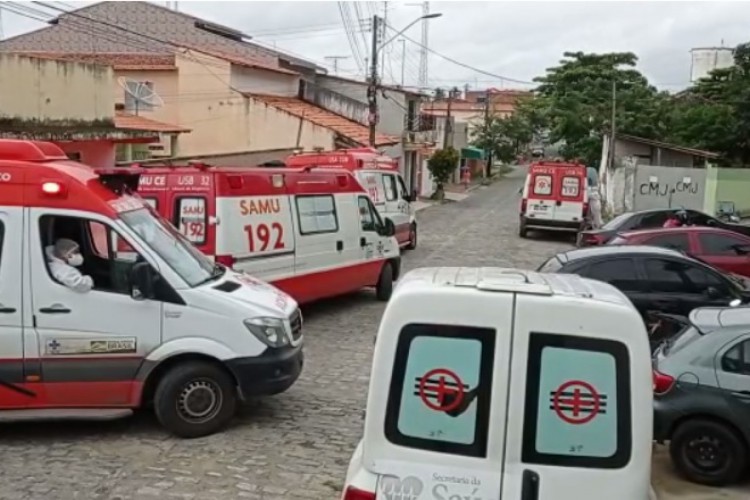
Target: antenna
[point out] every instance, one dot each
(336, 60)
(423, 74)
(141, 93)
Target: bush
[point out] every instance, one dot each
(441, 165)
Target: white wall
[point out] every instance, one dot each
(257, 81)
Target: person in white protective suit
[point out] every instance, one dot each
(64, 257)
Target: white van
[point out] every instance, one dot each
(380, 176)
(157, 323)
(476, 395)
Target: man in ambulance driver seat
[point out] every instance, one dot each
(64, 256)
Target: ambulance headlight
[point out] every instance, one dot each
(270, 331)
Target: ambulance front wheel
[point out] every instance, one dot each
(522, 231)
(412, 237)
(195, 399)
(384, 288)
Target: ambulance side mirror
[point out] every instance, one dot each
(388, 228)
(141, 281)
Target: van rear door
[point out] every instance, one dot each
(570, 187)
(577, 404)
(541, 194)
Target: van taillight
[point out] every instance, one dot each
(585, 209)
(353, 493)
(226, 260)
(523, 206)
(662, 383)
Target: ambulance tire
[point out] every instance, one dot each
(708, 452)
(384, 288)
(412, 237)
(522, 231)
(171, 403)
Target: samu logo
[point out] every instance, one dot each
(394, 488)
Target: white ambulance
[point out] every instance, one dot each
(312, 233)
(157, 323)
(475, 395)
(555, 197)
(379, 175)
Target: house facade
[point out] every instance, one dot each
(71, 105)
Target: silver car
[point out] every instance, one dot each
(702, 395)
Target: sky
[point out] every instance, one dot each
(512, 40)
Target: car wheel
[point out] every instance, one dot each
(522, 231)
(195, 399)
(708, 452)
(412, 237)
(384, 288)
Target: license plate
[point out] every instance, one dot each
(539, 208)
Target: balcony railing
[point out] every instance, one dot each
(419, 123)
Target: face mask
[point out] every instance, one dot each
(75, 260)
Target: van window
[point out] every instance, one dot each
(543, 185)
(439, 399)
(578, 410)
(366, 216)
(317, 214)
(191, 218)
(737, 359)
(389, 183)
(402, 191)
(571, 186)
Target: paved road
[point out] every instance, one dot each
(292, 446)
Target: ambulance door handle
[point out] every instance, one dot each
(339, 245)
(363, 242)
(7, 310)
(55, 309)
(530, 485)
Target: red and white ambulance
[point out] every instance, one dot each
(379, 175)
(313, 233)
(555, 198)
(161, 324)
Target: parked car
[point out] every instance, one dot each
(651, 219)
(722, 249)
(653, 278)
(702, 396)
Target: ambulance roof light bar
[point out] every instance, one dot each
(32, 151)
(54, 189)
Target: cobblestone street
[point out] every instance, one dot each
(297, 444)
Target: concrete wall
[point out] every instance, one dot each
(655, 186)
(731, 184)
(257, 81)
(44, 89)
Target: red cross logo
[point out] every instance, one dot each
(577, 402)
(441, 390)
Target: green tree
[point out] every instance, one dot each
(442, 164)
(576, 102)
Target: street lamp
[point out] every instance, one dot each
(372, 89)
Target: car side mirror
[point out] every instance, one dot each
(388, 228)
(141, 281)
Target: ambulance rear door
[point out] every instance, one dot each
(570, 183)
(396, 207)
(254, 227)
(190, 207)
(541, 202)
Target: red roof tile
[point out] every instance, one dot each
(127, 121)
(324, 118)
(248, 62)
(119, 61)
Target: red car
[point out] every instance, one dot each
(722, 249)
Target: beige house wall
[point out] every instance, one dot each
(46, 89)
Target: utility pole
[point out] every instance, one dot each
(403, 59)
(448, 136)
(613, 131)
(372, 88)
(336, 60)
(487, 100)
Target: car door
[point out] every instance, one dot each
(90, 344)
(12, 392)
(725, 251)
(622, 273)
(675, 241)
(370, 242)
(732, 365)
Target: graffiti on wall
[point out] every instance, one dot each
(661, 187)
(665, 188)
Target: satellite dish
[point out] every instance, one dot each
(142, 93)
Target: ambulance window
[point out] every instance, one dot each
(317, 214)
(366, 216)
(389, 183)
(570, 186)
(543, 185)
(439, 398)
(577, 409)
(401, 187)
(191, 218)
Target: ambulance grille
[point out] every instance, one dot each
(296, 323)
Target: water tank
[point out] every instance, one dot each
(705, 60)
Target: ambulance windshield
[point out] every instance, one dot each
(165, 240)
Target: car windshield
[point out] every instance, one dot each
(551, 266)
(617, 221)
(170, 245)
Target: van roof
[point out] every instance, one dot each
(498, 279)
(351, 159)
(598, 251)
